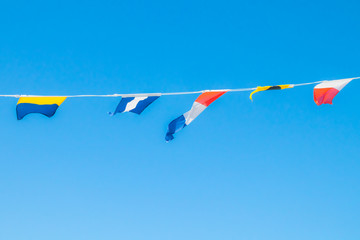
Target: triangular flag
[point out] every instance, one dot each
(325, 92)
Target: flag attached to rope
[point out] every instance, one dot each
(134, 104)
(325, 92)
(200, 104)
(266, 88)
(44, 105)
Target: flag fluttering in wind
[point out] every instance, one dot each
(134, 104)
(325, 92)
(200, 104)
(44, 105)
(266, 88)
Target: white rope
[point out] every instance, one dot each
(305, 84)
(159, 94)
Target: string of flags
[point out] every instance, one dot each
(324, 93)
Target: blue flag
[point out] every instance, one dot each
(134, 104)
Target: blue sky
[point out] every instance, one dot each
(278, 168)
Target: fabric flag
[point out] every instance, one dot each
(134, 104)
(44, 105)
(325, 92)
(266, 88)
(200, 104)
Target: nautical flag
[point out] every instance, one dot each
(325, 92)
(44, 105)
(277, 87)
(200, 104)
(134, 104)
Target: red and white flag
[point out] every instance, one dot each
(325, 92)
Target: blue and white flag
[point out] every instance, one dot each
(134, 104)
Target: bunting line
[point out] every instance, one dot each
(157, 94)
(324, 93)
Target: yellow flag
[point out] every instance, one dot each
(277, 87)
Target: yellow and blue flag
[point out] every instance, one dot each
(44, 105)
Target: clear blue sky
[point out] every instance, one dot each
(278, 168)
